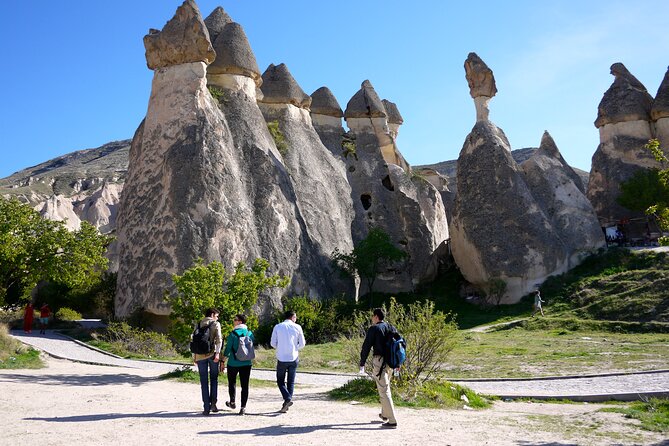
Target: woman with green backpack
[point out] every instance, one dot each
(239, 352)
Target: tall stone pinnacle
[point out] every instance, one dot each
(481, 83)
(365, 103)
(280, 87)
(626, 99)
(323, 102)
(183, 39)
(661, 103)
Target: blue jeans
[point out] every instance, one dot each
(209, 394)
(281, 369)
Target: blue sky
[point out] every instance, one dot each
(74, 74)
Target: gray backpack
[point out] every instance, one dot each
(245, 350)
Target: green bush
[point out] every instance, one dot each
(131, 341)
(430, 336)
(67, 314)
(322, 320)
(278, 137)
(216, 93)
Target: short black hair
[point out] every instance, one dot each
(378, 312)
(211, 311)
(288, 314)
(241, 318)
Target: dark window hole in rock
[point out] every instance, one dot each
(366, 200)
(351, 169)
(387, 183)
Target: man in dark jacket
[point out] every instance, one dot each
(376, 341)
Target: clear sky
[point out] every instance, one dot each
(74, 74)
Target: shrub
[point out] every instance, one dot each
(430, 336)
(137, 341)
(67, 314)
(216, 93)
(278, 137)
(322, 321)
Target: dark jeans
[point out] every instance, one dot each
(209, 389)
(244, 376)
(281, 369)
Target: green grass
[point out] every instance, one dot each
(15, 355)
(314, 357)
(653, 414)
(437, 394)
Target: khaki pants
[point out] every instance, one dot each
(383, 386)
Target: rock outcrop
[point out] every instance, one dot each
(517, 225)
(481, 82)
(184, 39)
(624, 124)
(386, 194)
(206, 179)
(660, 112)
(560, 193)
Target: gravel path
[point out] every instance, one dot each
(629, 386)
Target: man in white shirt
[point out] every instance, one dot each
(287, 339)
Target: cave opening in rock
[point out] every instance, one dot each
(366, 200)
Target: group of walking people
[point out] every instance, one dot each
(29, 314)
(287, 340)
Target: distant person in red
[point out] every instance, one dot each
(28, 318)
(44, 313)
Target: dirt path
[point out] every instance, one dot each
(74, 403)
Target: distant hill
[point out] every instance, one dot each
(449, 168)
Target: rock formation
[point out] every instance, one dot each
(510, 223)
(321, 189)
(481, 82)
(660, 111)
(387, 195)
(560, 193)
(624, 124)
(206, 179)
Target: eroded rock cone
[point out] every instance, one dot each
(395, 119)
(323, 102)
(626, 99)
(280, 87)
(234, 54)
(216, 21)
(498, 231)
(365, 103)
(183, 39)
(660, 112)
(559, 192)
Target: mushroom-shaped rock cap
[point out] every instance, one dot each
(234, 54)
(626, 99)
(365, 103)
(661, 104)
(216, 21)
(393, 113)
(479, 77)
(323, 102)
(183, 39)
(279, 87)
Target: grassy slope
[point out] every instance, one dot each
(14, 355)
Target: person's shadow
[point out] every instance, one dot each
(274, 431)
(115, 416)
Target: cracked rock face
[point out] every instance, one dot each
(624, 128)
(498, 230)
(559, 192)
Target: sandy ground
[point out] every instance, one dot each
(73, 403)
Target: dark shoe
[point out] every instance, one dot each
(231, 404)
(384, 419)
(214, 408)
(242, 411)
(286, 405)
(388, 425)
(205, 412)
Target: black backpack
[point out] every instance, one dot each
(201, 342)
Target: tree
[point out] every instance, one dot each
(33, 248)
(367, 258)
(205, 286)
